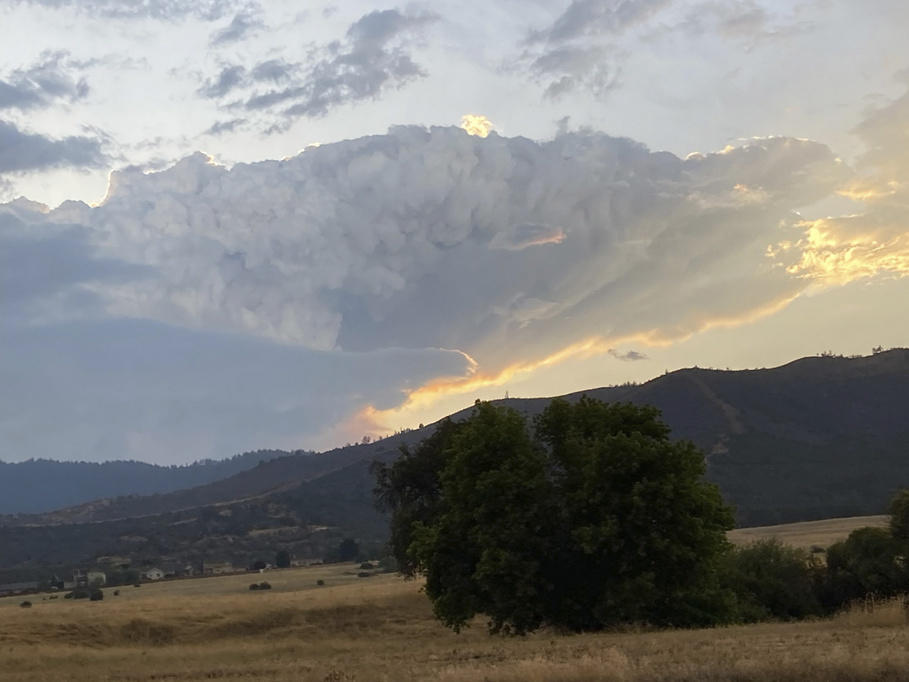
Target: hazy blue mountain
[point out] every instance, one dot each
(42, 485)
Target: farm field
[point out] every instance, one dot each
(381, 628)
(808, 534)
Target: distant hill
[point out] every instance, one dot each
(817, 438)
(40, 485)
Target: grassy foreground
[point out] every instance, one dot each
(381, 628)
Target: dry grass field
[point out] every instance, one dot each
(808, 534)
(381, 628)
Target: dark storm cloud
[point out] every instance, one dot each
(21, 151)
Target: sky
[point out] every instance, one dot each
(228, 225)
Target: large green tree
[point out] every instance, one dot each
(598, 518)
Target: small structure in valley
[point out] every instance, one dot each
(153, 574)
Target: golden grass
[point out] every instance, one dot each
(807, 534)
(381, 629)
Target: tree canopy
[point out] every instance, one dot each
(594, 518)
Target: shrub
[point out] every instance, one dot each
(773, 580)
(320, 582)
(26, 605)
(282, 559)
(95, 594)
(869, 562)
(260, 586)
(366, 565)
(364, 574)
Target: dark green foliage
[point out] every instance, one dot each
(410, 489)
(599, 520)
(26, 604)
(320, 582)
(774, 581)
(869, 562)
(348, 550)
(899, 515)
(260, 586)
(282, 559)
(95, 594)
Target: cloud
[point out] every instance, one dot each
(221, 127)
(43, 83)
(45, 271)
(229, 78)
(21, 151)
(874, 241)
(274, 70)
(592, 18)
(133, 389)
(581, 49)
(568, 68)
(743, 20)
(502, 247)
(373, 58)
(169, 10)
(241, 26)
(630, 356)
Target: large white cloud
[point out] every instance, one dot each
(434, 238)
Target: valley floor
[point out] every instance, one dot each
(381, 628)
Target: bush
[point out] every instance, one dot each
(869, 562)
(26, 605)
(282, 559)
(773, 580)
(320, 582)
(95, 594)
(366, 565)
(260, 586)
(364, 574)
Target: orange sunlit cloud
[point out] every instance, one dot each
(382, 422)
(828, 255)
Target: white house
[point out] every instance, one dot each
(153, 574)
(96, 578)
